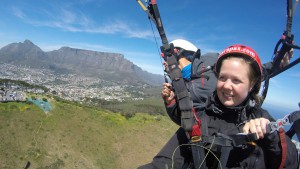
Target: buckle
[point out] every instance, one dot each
(279, 123)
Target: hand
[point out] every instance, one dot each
(286, 59)
(258, 126)
(166, 68)
(167, 93)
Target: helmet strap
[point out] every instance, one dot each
(179, 54)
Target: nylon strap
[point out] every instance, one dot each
(283, 147)
(181, 92)
(196, 138)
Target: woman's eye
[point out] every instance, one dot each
(236, 81)
(222, 78)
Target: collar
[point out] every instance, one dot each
(213, 105)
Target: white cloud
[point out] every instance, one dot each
(18, 13)
(68, 20)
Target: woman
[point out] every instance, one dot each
(235, 108)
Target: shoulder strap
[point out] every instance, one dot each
(181, 92)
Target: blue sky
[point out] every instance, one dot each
(121, 26)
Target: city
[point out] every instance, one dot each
(70, 87)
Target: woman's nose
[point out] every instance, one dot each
(227, 84)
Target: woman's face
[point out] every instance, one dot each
(233, 82)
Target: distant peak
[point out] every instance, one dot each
(28, 42)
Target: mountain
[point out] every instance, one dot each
(107, 66)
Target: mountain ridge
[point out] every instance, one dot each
(109, 66)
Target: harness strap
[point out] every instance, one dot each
(230, 141)
(224, 155)
(197, 144)
(283, 147)
(223, 142)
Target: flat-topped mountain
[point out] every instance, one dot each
(108, 66)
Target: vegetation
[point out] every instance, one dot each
(152, 106)
(23, 84)
(80, 136)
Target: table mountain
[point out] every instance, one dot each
(107, 66)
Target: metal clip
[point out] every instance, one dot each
(279, 123)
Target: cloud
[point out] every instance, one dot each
(18, 13)
(68, 20)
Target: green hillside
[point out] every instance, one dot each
(74, 136)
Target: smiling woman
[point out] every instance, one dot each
(233, 82)
(233, 113)
(239, 75)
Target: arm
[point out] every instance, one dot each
(267, 69)
(170, 103)
(173, 112)
(271, 143)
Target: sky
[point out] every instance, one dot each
(121, 26)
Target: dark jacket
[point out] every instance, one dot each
(203, 83)
(230, 121)
(264, 154)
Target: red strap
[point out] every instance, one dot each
(196, 127)
(202, 79)
(283, 146)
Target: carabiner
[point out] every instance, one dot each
(279, 123)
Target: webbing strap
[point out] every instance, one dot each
(196, 133)
(230, 140)
(196, 138)
(225, 151)
(181, 92)
(283, 147)
(182, 95)
(198, 155)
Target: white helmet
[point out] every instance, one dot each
(184, 44)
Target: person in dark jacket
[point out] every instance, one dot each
(197, 71)
(239, 114)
